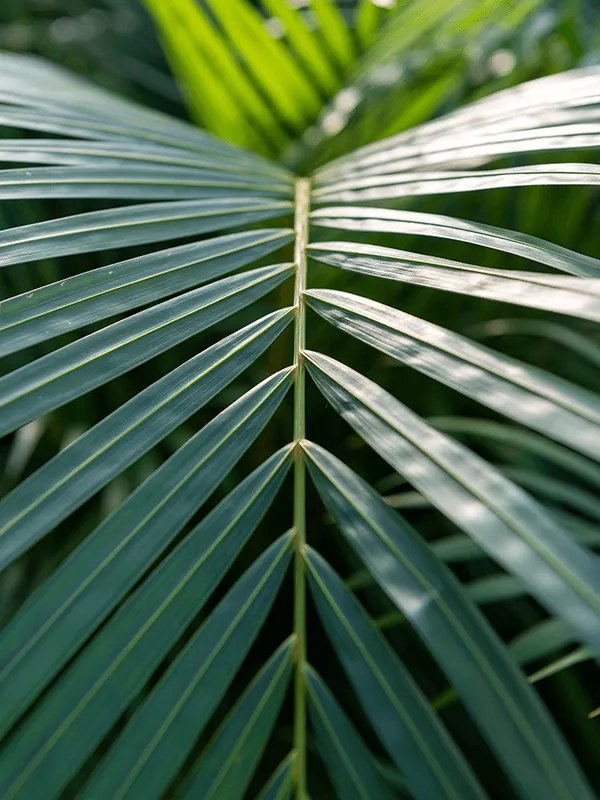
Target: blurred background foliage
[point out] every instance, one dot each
(412, 74)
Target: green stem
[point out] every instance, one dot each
(301, 232)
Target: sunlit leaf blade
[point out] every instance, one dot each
(131, 225)
(401, 716)
(73, 602)
(306, 44)
(498, 515)
(334, 30)
(111, 153)
(220, 93)
(76, 368)
(272, 66)
(41, 96)
(558, 409)
(349, 763)
(227, 765)
(463, 644)
(94, 295)
(51, 493)
(578, 297)
(145, 757)
(382, 220)
(359, 189)
(108, 674)
(367, 18)
(554, 112)
(279, 786)
(133, 183)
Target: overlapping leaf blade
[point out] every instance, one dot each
(402, 717)
(382, 220)
(578, 297)
(41, 96)
(121, 227)
(45, 498)
(76, 368)
(349, 763)
(501, 436)
(499, 516)
(153, 746)
(523, 736)
(229, 761)
(408, 184)
(97, 294)
(535, 398)
(65, 610)
(108, 674)
(209, 662)
(554, 112)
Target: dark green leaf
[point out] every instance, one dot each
(227, 766)
(155, 742)
(74, 601)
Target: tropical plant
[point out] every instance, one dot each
(149, 663)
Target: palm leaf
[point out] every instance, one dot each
(144, 659)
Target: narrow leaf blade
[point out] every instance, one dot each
(401, 716)
(523, 736)
(349, 763)
(153, 746)
(227, 765)
(75, 600)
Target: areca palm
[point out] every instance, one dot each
(124, 674)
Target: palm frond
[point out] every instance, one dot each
(148, 660)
